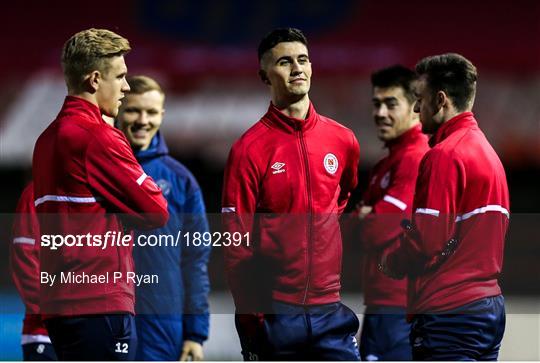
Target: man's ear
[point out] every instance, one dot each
(93, 80)
(264, 77)
(442, 99)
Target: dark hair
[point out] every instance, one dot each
(280, 35)
(453, 74)
(395, 76)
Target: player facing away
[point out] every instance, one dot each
(287, 180)
(172, 317)
(387, 200)
(87, 181)
(452, 252)
(25, 271)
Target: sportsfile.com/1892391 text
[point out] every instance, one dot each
(119, 239)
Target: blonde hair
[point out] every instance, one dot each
(90, 50)
(142, 84)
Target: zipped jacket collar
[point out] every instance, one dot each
(277, 119)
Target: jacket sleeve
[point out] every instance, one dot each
(24, 251)
(195, 271)
(382, 225)
(349, 178)
(240, 195)
(116, 176)
(438, 189)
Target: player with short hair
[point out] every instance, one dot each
(172, 316)
(287, 180)
(452, 252)
(87, 182)
(388, 200)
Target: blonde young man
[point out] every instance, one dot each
(172, 316)
(88, 183)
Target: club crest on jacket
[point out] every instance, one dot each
(164, 185)
(331, 163)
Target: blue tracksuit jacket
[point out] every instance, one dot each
(175, 309)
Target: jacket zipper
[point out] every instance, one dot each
(310, 207)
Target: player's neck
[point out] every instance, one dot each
(85, 96)
(450, 112)
(297, 109)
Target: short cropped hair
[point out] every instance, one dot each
(453, 74)
(396, 76)
(142, 84)
(280, 35)
(90, 50)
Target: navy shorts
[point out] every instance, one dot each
(385, 334)
(292, 332)
(94, 337)
(38, 352)
(471, 332)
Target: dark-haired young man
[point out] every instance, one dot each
(287, 180)
(388, 200)
(452, 253)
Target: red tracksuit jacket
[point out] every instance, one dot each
(84, 169)
(286, 183)
(461, 193)
(24, 264)
(390, 193)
